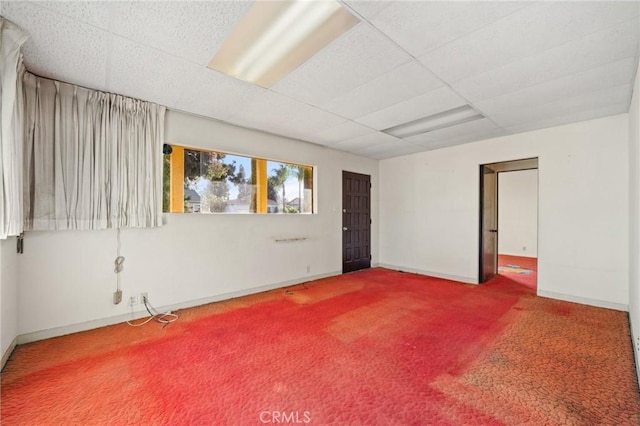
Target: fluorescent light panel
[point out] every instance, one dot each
(275, 37)
(449, 118)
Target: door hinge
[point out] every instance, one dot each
(370, 222)
(370, 257)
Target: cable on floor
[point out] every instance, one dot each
(163, 318)
(289, 292)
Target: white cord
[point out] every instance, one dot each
(119, 262)
(140, 323)
(160, 317)
(155, 315)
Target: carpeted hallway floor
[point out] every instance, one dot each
(372, 347)
(522, 270)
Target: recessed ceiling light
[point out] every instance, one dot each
(275, 37)
(433, 122)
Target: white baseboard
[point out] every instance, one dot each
(7, 353)
(541, 293)
(102, 322)
(636, 348)
(584, 300)
(467, 280)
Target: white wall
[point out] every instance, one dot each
(8, 295)
(67, 278)
(518, 213)
(634, 218)
(429, 209)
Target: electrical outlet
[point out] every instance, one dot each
(133, 300)
(308, 269)
(524, 248)
(144, 296)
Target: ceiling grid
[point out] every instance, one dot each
(521, 65)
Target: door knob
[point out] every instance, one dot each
(344, 228)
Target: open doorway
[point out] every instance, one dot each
(509, 221)
(518, 226)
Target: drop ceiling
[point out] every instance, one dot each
(522, 65)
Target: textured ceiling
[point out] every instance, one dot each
(523, 65)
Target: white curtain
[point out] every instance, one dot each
(92, 160)
(11, 128)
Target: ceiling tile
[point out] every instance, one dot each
(584, 102)
(211, 93)
(341, 132)
(560, 119)
(402, 83)
(592, 51)
(193, 30)
(609, 75)
(459, 140)
(266, 109)
(389, 149)
(526, 32)
(138, 71)
(96, 13)
(367, 8)
(474, 129)
(365, 141)
(279, 114)
(356, 58)
(407, 22)
(307, 121)
(393, 154)
(430, 103)
(59, 47)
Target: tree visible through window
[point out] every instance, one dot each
(215, 182)
(290, 187)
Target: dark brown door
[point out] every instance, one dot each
(356, 221)
(488, 223)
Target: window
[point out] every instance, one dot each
(289, 188)
(197, 181)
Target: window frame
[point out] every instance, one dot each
(176, 182)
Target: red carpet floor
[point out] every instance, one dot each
(523, 270)
(373, 347)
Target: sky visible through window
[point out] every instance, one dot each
(293, 186)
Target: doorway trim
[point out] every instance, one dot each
(503, 166)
